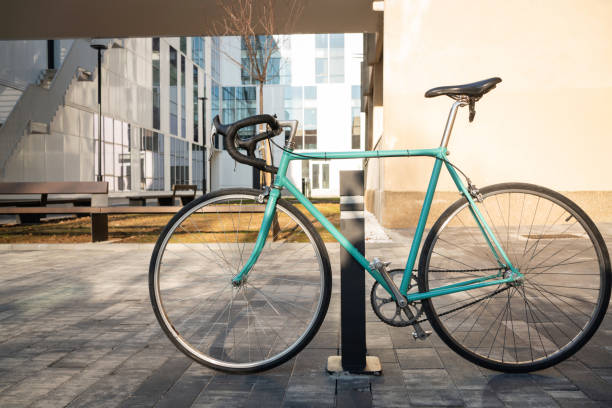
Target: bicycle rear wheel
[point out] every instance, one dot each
(517, 327)
(264, 321)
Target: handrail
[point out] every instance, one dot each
(12, 85)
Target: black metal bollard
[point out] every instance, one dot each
(352, 286)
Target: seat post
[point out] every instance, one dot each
(451, 121)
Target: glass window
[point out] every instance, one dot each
(183, 98)
(262, 48)
(196, 105)
(321, 70)
(197, 51)
(336, 41)
(315, 175)
(293, 111)
(116, 159)
(151, 160)
(310, 128)
(155, 85)
(325, 175)
(310, 92)
(197, 166)
(355, 117)
(321, 40)
(179, 161)
(173, 92)
(215, 63)
(184, 45)
(238, 103)
(215, 108)
(329, 58)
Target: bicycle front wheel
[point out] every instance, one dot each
(261, 323)
(522, 326)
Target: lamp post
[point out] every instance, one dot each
(99, 48)
(203, 99)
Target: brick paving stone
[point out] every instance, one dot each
(187, 388)
(414, 358)
(76, 329)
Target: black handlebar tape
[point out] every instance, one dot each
(230, 132)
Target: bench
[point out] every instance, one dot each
(98, 210)
(30, 210)
(164, 198)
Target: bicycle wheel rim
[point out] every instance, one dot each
(180, 338)
(534, 338)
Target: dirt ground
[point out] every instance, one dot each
(130, 228)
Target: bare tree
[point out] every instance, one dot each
(258, 23)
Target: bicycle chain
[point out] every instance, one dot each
(467, 304)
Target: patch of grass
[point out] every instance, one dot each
(146, 228)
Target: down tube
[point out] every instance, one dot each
(328, 225)
(418, 235)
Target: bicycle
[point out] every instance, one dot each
(514, 277)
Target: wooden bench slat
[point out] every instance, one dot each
(48, 210)
(58, 187)
(140, 210)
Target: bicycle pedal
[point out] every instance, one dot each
(423, 335)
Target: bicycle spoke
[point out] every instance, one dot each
(543, 314)
(253, 322)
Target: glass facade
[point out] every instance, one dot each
(300, 103)
(329, 58)
(151, 160)
(355, 117)
(116, 163)
(173, 92)
(155, 84)
(238, 103)
(179, 161)
(260, 48)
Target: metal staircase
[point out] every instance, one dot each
(9, 95)
(36, 106)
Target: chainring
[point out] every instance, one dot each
(387, 309)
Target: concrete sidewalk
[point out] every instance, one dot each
(77, 329)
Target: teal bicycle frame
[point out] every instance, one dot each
(281, 181)
(439, 154)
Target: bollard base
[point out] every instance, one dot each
(372, 367)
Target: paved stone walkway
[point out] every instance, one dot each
(77, 329)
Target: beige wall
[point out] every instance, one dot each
(546, 123)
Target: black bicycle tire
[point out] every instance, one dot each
(326, 289)
(593, 324)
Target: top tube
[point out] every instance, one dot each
(437, 152)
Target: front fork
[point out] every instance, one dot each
(272, 196)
